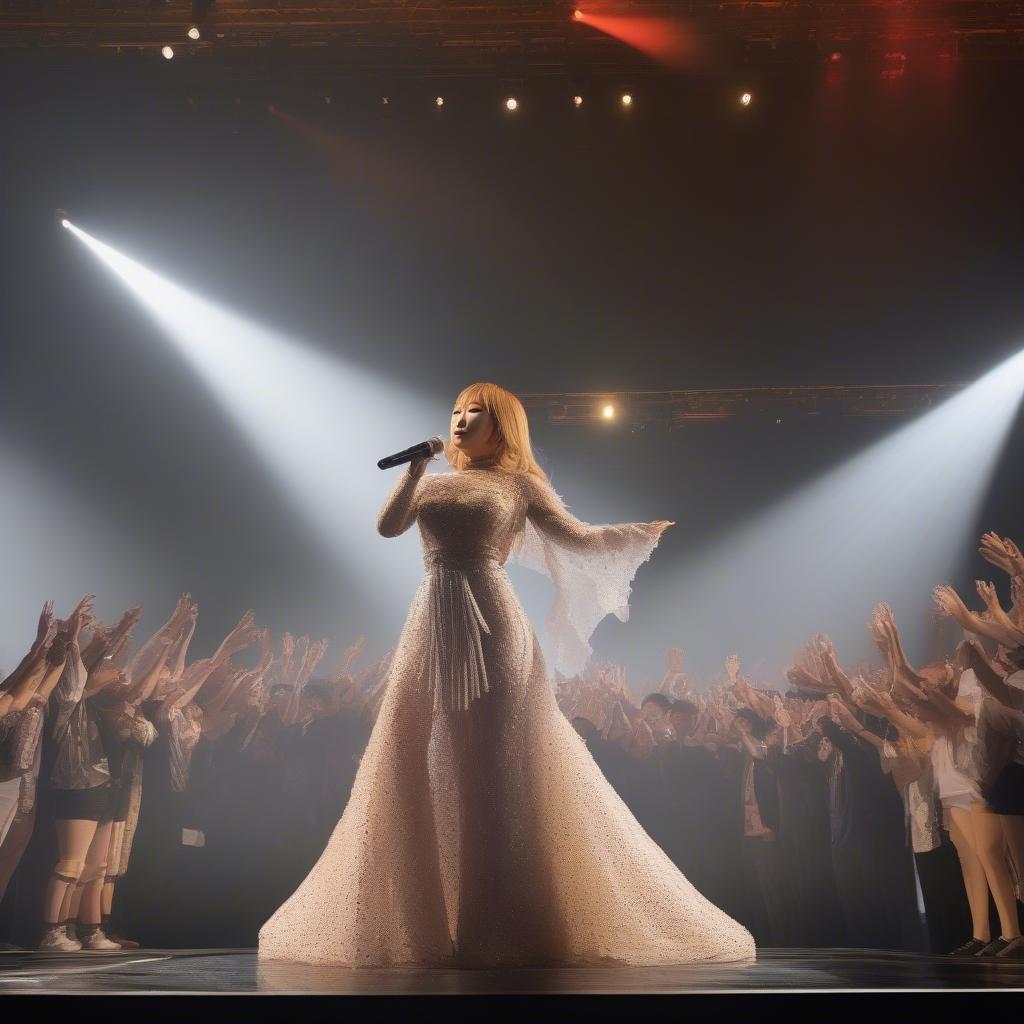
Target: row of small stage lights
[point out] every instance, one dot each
(510, 103)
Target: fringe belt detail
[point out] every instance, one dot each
(456, 672)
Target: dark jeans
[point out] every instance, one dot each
(875, 880)
(766, 863)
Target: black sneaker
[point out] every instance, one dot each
(1014, 950)
(995, 947)
(969, 948)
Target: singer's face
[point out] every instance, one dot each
(472, 429)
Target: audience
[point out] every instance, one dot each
(877, 809)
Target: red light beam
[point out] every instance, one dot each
(669, 41)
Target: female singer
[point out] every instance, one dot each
(479, 831)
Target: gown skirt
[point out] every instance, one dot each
(486, 835)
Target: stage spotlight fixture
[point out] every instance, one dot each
(511, 104)
(327, 100)
(608, 412)
(746, 99)
(577, 101)
(835, 57)
(384, 101)
(61, 217)
(627, 99)
(577, 15)
(193, 32)
(168, 52)
(439, 101)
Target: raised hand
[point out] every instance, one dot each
(987, 592)
(46, 629)
(843, 716)
(81, 617)
(266, 647)
(865, 696)
(732, 667)
(353, 652)
(876, 630)
(824, 645)
(244, 634)
(783, 716)
(116, 648)
(1002, 552)
(803, 680)
(674, 657)
(316, 652)
(948, 602)
(121, 631)
(181, 614)
(1017, 600)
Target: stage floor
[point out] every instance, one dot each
(239, 972)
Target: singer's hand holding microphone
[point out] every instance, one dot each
(417, 456)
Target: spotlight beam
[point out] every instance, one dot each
(317, 423)
(888, 524)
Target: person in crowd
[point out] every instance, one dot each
(199, 791)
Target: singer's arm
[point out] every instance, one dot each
(548, 513)
(399, 510)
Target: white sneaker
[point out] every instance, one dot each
(56, 939)
(97, 939)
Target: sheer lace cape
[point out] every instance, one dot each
(590, 582)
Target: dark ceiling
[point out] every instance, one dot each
(507, 38)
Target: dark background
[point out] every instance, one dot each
(864, 231)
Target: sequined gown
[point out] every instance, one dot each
(479, 831)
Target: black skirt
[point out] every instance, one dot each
(98, 803)
(1007, 793)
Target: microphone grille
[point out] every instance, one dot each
(436, 444)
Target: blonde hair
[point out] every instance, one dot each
(512, 429)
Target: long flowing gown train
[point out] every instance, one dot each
(479, 830)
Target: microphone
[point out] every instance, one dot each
(423, 450)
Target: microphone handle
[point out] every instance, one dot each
(423, 450)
